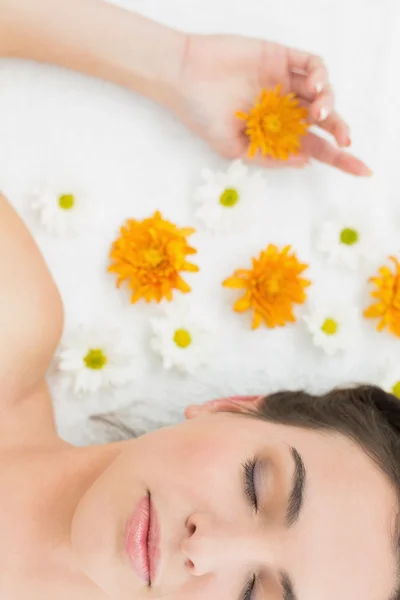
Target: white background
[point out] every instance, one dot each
(132, 158)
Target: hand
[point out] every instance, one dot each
(223, 74)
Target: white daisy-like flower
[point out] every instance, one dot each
(391, 379)
(183, 338)
(333, 327)
(224, 197)
(60, 211)
(98, 358)
(350, 237)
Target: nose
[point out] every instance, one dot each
(212, 544)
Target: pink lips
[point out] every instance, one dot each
(142, 540)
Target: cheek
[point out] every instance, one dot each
(199, 464)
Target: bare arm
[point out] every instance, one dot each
(203, 79)
(97, 39)
(31, 314)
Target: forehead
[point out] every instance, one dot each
(342, 545)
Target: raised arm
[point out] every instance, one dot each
(204, 80)
(31, 313)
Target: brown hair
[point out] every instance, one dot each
(365, 414)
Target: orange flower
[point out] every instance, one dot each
(274, 125)
(150, 254)
(388, 295)
(271, 287)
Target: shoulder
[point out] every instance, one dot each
(28, 421)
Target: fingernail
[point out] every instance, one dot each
(367, 172)
(323, 113)
(319, 87)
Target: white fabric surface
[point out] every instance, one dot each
(133, 158)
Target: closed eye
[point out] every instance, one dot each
(249, 468)
(248, 590)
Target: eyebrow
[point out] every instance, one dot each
(287, 585)
(296, 496)
(295, 502)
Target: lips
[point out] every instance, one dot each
(142, 540)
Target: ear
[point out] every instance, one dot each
(230, 403)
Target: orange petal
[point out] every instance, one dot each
(182, 285)
(234, 283)
(373, 311)
(136, 296)
(242, 304)
(257, 320)
(186, 231)
(190, 267)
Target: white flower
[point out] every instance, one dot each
(350, 237)
(333, 327)
(96, 358)
(182, 337)
(391, 379)
(60, 211)
(224, 197)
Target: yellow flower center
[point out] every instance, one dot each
(272, 123)
(66, 201)
(153, 257)
(329, 326)
(396, 389)
(182, 338)
(349, 236)
(95, 359)
(229, 198)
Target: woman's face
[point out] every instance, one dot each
(247, 510)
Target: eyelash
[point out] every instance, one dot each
(251, 493)
(249, 487)
(248, 590)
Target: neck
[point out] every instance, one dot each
(70, 474)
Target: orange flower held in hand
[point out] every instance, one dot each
(387, 308)
(271, 287)
(275, 124)
(150, 255)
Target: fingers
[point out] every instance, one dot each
(305, 87)
(321, 108)
(318, 78)
(310, 81)
(335, 125)
(305, 63)
(320, 104)
(326, 153)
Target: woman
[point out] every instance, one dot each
(287, 496)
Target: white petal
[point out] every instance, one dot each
(118, 370)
